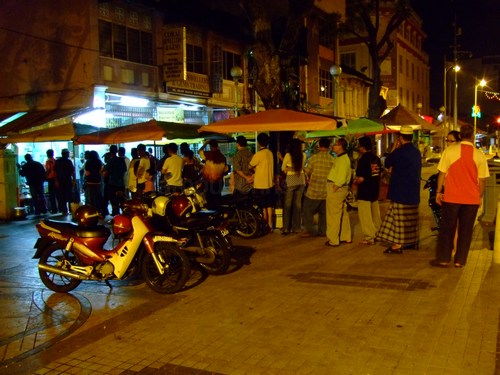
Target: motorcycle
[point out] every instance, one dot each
(244, 219)
(69, 253)
(201, 234)
(431, 184)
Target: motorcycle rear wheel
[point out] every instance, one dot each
(248, 225)
(55, 256)
(175, 265)
(222, 254)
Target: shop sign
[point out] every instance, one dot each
(170, 114)
(174, 54)
(195, 84)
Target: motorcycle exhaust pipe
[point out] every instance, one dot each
(59, 271)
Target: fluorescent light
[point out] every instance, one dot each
(12, 118)
(132, 101)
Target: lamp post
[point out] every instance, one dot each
(236, 73)
(335, 72)
(456, 68)
(481, 83)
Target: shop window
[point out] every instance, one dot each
(325, 84)
(128, 76)
(124, 43)
(145, 79)
(326, 33)
(194, 59)
(348, 59)
(230, 60)
(107, 73)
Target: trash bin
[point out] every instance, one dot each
(491, 192)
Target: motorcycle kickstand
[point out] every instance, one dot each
(108, 284)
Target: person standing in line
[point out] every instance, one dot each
(317, 168)
(115, 170)
(93, 190)
(78, 173)
(463, 171)
(293, 167)
(50, 174)
(34, 173)
(338, 225)
(367, 182)
(142, 169)
(84, 176)
(121, 153)
(213, 173)
(172, 170)
(263, 179)
(400, 224)
(190, 170)
(241, 167)
(65, 181)
(132, 173)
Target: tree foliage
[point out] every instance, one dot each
(364, 20)
(278, 28)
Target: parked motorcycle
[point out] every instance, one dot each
(431, 184)
(201, 234)
(69, 253)
(243, 218)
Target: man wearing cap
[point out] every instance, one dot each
(400, 224)
(463, 171)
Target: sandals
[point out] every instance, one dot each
(390, 250)
(367, 242)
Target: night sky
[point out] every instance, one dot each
(478, 21)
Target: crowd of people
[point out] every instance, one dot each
(318, 184)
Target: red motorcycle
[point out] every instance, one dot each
(69, 253)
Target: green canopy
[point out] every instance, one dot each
(358, 126)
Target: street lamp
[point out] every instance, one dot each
(456, 68)
(335, 72)
(481, 83)
(236, 73)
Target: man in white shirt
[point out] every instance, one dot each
(172, 169)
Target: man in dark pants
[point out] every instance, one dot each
(114, 170)
(65, 181)
(50, 174)
(34, 173)
(463, 170)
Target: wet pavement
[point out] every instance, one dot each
(288, 305)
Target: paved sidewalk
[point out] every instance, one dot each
(289, 306)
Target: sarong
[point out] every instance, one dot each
(400, 224)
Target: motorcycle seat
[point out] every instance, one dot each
(78, 231)
(201, 218)
(231, 199)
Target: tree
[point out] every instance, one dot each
(278, 29)
(365, 21)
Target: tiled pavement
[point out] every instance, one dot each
(289, 306)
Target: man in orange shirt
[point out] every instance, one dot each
(463, 170)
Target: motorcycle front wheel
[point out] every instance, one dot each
(220, 246)
(248, 225)
(56, 256)
(175, 266)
